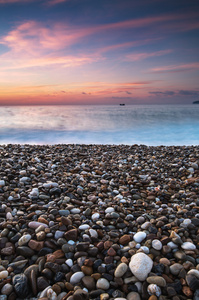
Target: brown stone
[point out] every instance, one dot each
(89, 282)
(59, 254)
(42, 220)
(125, 239)
(124, 260)
(56, 288)
(50, 258)
(96, 276)
(66, 221)
(7, 251)
(88, 262)
(71, 235)
(41, 236)
(111, 252)
(87, 270)
(187, 291)
(107, 244)
(35, 245)
(69, 286)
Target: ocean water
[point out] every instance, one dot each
(106, 124)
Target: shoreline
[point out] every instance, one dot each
(99, 222)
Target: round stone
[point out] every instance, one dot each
(140, 265)
(103, 284)
(158, 280)
(109, 210)
(76, 277)
(153, 289)
(95, 216)
(188, 246)
(7, 289)
(3, 274)
(175, 268)
(121, 270)
(156, 244)
(139, 236)
(84, 227)
(24, 239)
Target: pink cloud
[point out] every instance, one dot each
(177, 68)
(141, 56)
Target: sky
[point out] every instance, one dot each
(99, 52)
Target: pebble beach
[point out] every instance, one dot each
(100, 222)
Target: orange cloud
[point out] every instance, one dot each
(141, 56)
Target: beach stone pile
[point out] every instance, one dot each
(103, 222)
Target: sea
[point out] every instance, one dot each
(151, 125)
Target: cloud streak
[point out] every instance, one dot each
(177, 68)
(145, 55)
(176, 93)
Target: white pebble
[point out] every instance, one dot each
(139, 236)
(69, 262)
(84, 227)
(44, 292)
(103, 284)
(156, 244)
(188, 246)
(75, 211)
(186, 222)
(76, 277)
(194, 272)
(109, 210)
(153, 289)
(22, 172)
(61, 295)
(24, 239)
(3, 274)
(93, 233)
(2, 182)
(24, 179)
(145, 249)
(9, 216)
(141, 265)
(71, 242)
(172, 245)
(51, 294)
(58, 234)
(95, 216)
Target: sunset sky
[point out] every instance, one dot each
(99, 51)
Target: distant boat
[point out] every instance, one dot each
(122, 104)
(196, 102)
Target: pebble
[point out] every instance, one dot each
(7, 289)
(139, 236)
(153, 289)
(76, 277)
(3, 274)
(121, 270)
(156, 244)
(140, 265)
(188, 246)
(95, 216)
(103, 284)
(99, 222)
(24, 239)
